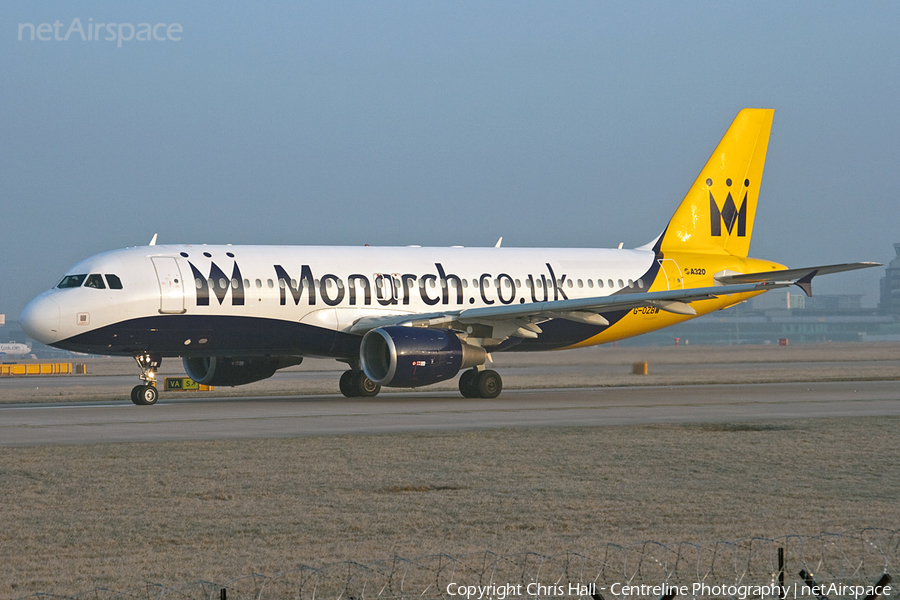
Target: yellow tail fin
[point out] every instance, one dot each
(717, 214)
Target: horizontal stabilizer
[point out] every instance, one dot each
(792, 274)
(801, 277)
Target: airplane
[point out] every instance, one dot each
(413, 316)
(13, 349)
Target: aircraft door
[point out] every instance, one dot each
(673, 274)
(171, 285)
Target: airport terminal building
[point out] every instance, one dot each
(890, 286)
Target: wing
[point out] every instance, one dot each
(520, 320)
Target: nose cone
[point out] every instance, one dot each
(40, 319)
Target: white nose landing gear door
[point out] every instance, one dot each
(171, 286)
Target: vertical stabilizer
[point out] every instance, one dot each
(717, 214)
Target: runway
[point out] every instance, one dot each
(236, 418)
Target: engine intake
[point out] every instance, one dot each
(229, 371)
(413, 357)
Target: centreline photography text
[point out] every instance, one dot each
(501, 591)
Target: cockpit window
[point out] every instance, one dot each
(114, 282)
(71, 281)
(95, 281)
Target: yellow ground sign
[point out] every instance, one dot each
(185, 384)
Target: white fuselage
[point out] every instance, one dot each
(325, 289)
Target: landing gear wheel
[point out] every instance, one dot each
(355, 384)
(488, 384)
(365, 386)
(467, 384)
(144, 395)
(348, 384)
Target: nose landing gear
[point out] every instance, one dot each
(146, 393)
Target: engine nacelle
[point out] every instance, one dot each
(225, 370)
(412, 356)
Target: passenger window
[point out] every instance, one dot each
(95, 281)
(114, 282)
(71, 281)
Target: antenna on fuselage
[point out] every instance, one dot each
(153, 241)
(500, 241)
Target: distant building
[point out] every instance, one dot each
(780, 299)
(890, 286)
(835, 302)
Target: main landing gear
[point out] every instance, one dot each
(146, 393)
(480, 384)
(355, 384)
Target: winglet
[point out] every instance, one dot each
(805, 283)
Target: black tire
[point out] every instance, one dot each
(144, 395)
(467, 384)
(348, 384)
(365, 387)
(488, 384)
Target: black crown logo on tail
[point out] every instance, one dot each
(729, 214)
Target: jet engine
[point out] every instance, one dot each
(231, 371)
(413, 357)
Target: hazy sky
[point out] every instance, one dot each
(395, 123)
